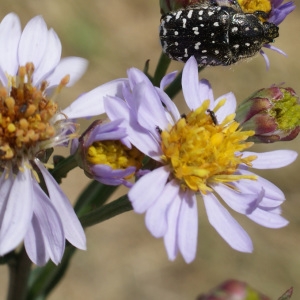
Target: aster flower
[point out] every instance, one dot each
(106, 155)
(32, 74)
(200, 153)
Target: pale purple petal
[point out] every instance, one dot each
(266, 58)
(167, 79)
(173, 113)
(171, 236)
(271, 47)
(34, 243)
(50, 225)
(6, 182)
(51, 58)
(206, 92)
(73, 230)
(228, 108)
(272, 159)
(279, 13)
(147, 189)
(156, 215)
(18, 212)
(106, 131)
(150, 112)
(116, 108)
(188, 226)
(109, 176)
(241, 202)
(136, 76)
(271, 190)
(73, 66)
(91, 103)
(33, 42)
(267, 219)
(229, 229)
(190, 84)
(10, 33)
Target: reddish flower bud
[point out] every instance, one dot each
(233, 290)
(273, 113)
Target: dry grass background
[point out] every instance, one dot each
(123, 260)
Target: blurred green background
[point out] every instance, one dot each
(123, 260)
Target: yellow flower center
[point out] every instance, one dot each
(115, 155)
(201, 152)
(250, 6)
(25, 114)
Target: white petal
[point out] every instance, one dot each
(51, 58)
(50, 224)
(267, 219)
(18, 212)
(10, 33)
(33, 42)
(272, 159)
(188, 227)
(73, 66)
(34, 243)
(229, 229)
(73, 230)
(147, 189)
(171, 236)
(91, 103)
(156, 215)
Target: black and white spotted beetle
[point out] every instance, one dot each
(216, 32)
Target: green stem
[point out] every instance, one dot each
(19, 271)
(106, 212)
(63, 167)
(161, 69)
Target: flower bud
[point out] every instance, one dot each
(233, 290)
(273, 113)
(105, 154)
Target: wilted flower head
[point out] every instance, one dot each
(32, 74)
(273, 113)
(201, 152)
(105, 155)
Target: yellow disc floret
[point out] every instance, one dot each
(201, 152)
(114, 154)
(251, 6)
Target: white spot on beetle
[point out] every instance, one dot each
(197, 45)
(190, 13)
(178, 14)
